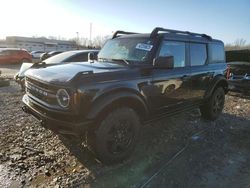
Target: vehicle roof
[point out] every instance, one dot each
(4, 49)
(37, 51)
(65, 55)
(173, 36)
(79, 51)
(51, 52)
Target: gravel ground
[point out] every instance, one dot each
(179, 151)
(9, 70)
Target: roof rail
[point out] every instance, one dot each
(122, 32)
(158, 29)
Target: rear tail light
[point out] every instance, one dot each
(228, 72)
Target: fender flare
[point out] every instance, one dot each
(115, 97)
(219, 80)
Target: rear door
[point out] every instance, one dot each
(201, 73)
(172, 86)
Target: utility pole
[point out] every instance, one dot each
(77, 40)
(90, 33)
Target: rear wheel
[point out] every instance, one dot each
(116, 136)
(214, 106)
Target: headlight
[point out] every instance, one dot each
(63, 98)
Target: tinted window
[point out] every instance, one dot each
(175, 49)
(60, 57)
(217, 53)
(79, 58)
(198, 54)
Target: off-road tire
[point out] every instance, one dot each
(108, 135)
(214, 106)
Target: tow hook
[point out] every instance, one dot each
(24, 108)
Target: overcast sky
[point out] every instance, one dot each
(227, 20)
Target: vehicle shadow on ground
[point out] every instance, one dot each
(160, 141)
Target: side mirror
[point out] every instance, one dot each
(164, 62)
(91, 57)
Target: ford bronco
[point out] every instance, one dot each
(137, 78)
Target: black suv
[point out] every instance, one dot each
(137, 78)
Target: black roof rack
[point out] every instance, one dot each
(123, 33)
(158, 29)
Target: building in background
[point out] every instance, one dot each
(37, 44)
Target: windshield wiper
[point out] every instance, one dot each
(123, 60)
(114, 60)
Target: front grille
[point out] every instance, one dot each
(41, 91)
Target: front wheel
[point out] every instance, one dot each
(214, 106)
(116, 136)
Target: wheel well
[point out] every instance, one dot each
(128, 102)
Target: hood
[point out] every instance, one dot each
(66, 72)
(24, 68)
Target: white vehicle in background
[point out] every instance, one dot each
(36, 54)
(65, 57)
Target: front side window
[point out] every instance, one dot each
(129, 49)
(198, 54)
(175, 49)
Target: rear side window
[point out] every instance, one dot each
(175, 49)
(198, 54)
(217, 53)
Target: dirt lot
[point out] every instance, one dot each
(181, 151)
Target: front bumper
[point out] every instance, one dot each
(71, 126)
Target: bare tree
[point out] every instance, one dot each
(99, 41)
(240, 42)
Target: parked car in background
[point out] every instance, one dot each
(239, 77)
(14, 55)
(36, 54)
(65, 57)
(46, 55)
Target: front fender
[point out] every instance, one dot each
(127, 98)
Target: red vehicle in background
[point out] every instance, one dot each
(14, 55)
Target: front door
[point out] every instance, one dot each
(171, 87)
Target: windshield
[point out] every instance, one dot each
(59, 57)
(126, 49)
